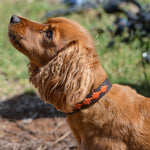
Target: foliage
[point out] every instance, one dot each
(123, 63)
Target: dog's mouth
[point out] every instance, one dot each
(13, 37)
(15, 40)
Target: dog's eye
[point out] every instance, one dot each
(49, 34)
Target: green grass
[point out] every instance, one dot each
(123, 63)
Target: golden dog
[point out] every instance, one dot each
(65, 69)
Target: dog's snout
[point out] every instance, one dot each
(14, 19)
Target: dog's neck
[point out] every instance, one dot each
(92, 97)
(88, 116)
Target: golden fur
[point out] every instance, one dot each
(65, 68)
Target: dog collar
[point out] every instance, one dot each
(92, 98)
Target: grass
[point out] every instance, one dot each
(123, 63)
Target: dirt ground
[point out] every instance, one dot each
(27, 123)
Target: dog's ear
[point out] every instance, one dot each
(77, 73)
(67, 78)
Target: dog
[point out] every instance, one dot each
(65, 68)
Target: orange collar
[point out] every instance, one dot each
(92, 98)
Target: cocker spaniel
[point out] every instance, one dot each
(65, 69)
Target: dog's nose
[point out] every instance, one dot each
(14, 19)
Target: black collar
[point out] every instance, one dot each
(92, 98)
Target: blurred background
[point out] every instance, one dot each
(120, 29)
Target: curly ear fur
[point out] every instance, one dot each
(66, 79)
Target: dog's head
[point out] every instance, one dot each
(41, 42)
(62, 56)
